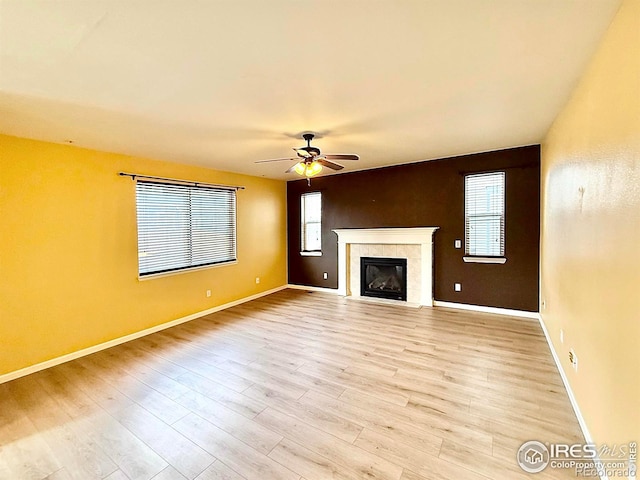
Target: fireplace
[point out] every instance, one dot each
(383, 278)
(415, 244)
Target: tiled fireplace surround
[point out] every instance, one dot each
(414, 244)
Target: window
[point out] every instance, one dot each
(310, 223)
(484, 214)
(182, 227)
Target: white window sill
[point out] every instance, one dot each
(484, 259)
(185, 270)
(311, 254)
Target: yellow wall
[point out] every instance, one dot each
(68, 250)
(591, 233)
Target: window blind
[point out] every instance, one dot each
(181, 227)
(311, 221)
(484, 214)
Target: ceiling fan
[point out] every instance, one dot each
(310, 160)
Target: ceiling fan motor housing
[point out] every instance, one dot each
(310, 151)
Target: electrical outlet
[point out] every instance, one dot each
(257, 280)
(325, 275)
(561, 336)
(573, 358)
(457, 287)
(208, 293)
(457, 244)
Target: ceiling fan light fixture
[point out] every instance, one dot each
(300, 168)
(313, 169)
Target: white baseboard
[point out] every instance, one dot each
(480, 308)
(565, 381)
(436, 303)
(117, 341)
(313, 289)
(574, 403)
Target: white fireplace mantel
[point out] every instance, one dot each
(422, 236)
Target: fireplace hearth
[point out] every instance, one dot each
(383, 278)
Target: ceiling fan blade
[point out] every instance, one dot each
(341, 156)
(328, 164)
(276, 160)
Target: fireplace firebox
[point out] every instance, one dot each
(383, 278)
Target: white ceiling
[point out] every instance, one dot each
(224, 83)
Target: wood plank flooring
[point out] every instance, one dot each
(295, 386)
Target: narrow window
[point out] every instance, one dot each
(484, 214)
(310, 223)
(183, 227)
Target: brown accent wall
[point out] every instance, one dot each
(429, 194)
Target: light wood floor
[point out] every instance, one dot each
(296, 385)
